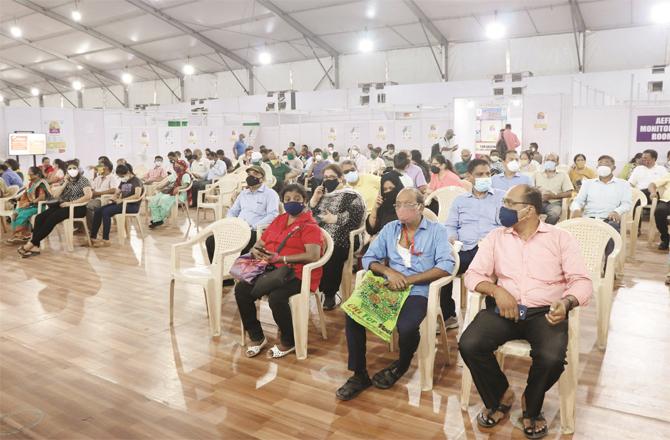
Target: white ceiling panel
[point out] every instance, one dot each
(57, 68)
(213, 12)
(110, 59)
(138, 30)
(38, 25)
(604, 14)
(461, 29)
(24, 55)
(439, 9)
(172, 48)
(75, 43)
(18, 76)
(414, 34)
(553, 19)
(299, 5)
(272, 29)
(202, 64)
(642, 11)
(10, 10)
(383, 39)
(96, 11)
(516, 23)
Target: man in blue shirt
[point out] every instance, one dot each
(240, 146)
(471, 217)
(218, 170)
(257, 205)
(511, 175)
(9, 176)
(410, 251)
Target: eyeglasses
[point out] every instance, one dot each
(405, 205)
(509, 203)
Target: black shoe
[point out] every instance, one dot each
(663, 246)
(328, 302)
(355, 385)
(228, 283)
(155, 224)
(387, 377)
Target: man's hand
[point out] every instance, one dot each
(546, 196)
(396, 280)
(452, 239)
(576, 213)
(557, 312)
(506, 303)
(614, 216)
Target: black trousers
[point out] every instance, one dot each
(409, 320)
(103, 216)
(47, 221)
(661, 218)
(488, 331)
(446, 293)
(198, 185)
(281, 310)
(209, 244)
(332, 271)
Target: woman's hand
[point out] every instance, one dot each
(379, 201)
(316, 197)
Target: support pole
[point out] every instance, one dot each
(80, 99)
(251, 81)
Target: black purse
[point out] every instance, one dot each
(274, 277)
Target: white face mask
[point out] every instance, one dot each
(604, 171)
(124, 179)
(73, 173)
(158, 163)
(513, 166)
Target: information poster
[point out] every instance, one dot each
(26, 144)
(54, 136)
(653, 128)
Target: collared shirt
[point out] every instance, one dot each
(156, 174)
(105, 183)
(511, 139)
(218, 170)
(256, 208)
(643, 176)
(598, 198)
(200, 167)
(11, 178)
(376, 165)
(461, 167)
(450, 179)
(415, 173)
(431, 249)
(502, 182)
(663, 187)
(368, 187)
(538, 271)
(471, 218)
(240, 147)
(556, 183)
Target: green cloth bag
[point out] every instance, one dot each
(374, 306)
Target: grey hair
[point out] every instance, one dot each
(418, 195)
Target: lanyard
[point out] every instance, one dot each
(405, 232)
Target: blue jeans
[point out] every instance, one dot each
(104, 215)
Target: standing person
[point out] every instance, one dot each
(240, 146)
(417, 160)
(537, 265)
(442, 174)
(554, 186)
(157, 173)
(630, 166)
(661, 190)
(388, 155)
(199, 165)
(511, 175)
(448, 145)
(501, 146)
(511, 140)
(37, 191)
(412, 175)
(383, 211)
(161, 204)
(218, 170)
(367, 185)
(339, 211)
(461, 168)
(76, 189)
(579, 171)
(105, 183)
(647, 173)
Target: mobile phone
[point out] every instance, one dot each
(522, 311)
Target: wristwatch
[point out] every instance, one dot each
(571, 304)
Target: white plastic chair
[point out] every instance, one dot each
(445, 197)
(567, 383)
(68, 226)
(430, 215)
(633, 222)
(6, 208)
(122, 219)
(347, 274)
(216, 197)
(299, 304)
(231, 235)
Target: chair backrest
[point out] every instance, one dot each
(445, 197)
(562, 168)
(430, 215)
(12, 190)
(592, 236)
(638, 196)
(328, 251)
(231, 235)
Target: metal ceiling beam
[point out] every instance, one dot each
(14, 87)
(93, 33)
(579, 18)
(578, 28)
(51, 80)
(190, 31)
(427, 23)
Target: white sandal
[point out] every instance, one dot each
(276, 353)
(253, 350)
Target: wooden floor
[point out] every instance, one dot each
(86, 352)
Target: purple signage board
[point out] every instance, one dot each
(653, 128)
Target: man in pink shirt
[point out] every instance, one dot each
(511, 139)
(527, 264)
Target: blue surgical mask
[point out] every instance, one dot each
(550, 165)
(293, 208)
(351, 176)
(508, 217)
(483, 184)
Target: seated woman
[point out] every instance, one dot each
(527, 164)
(384, 211)
(57, 174)
(579, 171)
(339, 211)
(161, 204)
(442, 174)
(129, 188)
(303, 246)
(75, 189)
(37, 190)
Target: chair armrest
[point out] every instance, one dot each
(352, 239)
(475, 300)
(76, 205)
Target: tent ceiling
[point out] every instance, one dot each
(246, 28)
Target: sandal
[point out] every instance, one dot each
(253, 350)
(276, 353)
(485, 417)
(387, 377)
(26, 253)
(530, 431)
(354, 386)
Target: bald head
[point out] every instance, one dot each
(410, 195)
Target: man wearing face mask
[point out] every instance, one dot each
(388, 155)
(461, 167)
(471, 217)
(216, 171)
(554, 186)
(106, 183)
(199, 166)
(376, 164)
(410, 251)
(511, 175)
(359, 159)
(527, 263)
(157, 173)
(366, 185)
(412, 175)
(497, 166)
(315, 170)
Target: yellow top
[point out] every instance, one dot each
(368, 187)
(663, 188)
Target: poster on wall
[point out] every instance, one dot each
(653, 128)
(27, 143)
(491, 113)
(55, 137)
(489, 130)
(541, 122)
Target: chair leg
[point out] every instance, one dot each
(243, 335)
(172, 302)
(121, 227)
(214, 292)
(443, 336)
(466, 388)
(68, 233)
(300, 313)
(426, 352)
(464, 292)
(603, 308)
(197, 218)
(567, 383)
(204, 291)
(322, 316)
(88, 236)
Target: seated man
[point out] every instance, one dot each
(554, 187)
(199, 165)
(157, 173)
(606, 198)
(105, 183)
(257, 205)
(510, 175)
(217, 170)
(418, 253)
(471, 217)
(462, 166)
(536, 265)
(661, 189)
(367, 185)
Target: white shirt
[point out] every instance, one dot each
(105, 183)
(597, 199)
(200, 167)
(376, 165)
(407, 181)
(447, 143)
(643, 176)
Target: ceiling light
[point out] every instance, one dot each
(370, 12)
(516, 102)
(80, 67)
(365, 45)
(35, 91)
(2, 98)
(188, 69)
(76, 15)
(660, 13)
(16, 31)
(264, 58)
(495, 30)
(76, 85)
(126, 78)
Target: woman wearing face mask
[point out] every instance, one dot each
(161, 204)
(383, 211)
(339, 211)
(580, 171)
(303, 246)
(37, 190)
(129, 188)
(527, 165)
(75, 190)
(442, 174)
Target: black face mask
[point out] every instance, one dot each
(434, 169)
(253, 180)
(330, 185)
